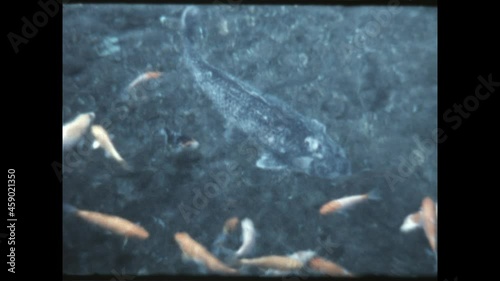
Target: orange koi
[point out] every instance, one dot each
(198, 253)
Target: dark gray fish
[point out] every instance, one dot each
(286, 139)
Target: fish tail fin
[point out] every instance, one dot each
(67, 208)
(374, 194)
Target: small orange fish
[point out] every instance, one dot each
(144, 77)
(274, 262)
(230, 225)
(114, 224)
(428, 215)
(327, 267)
(102, 140)
(196, 252)
(348, 201)
(74, 130)
(288, 264)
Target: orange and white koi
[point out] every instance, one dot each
(74, 130)
(144, 77)
(348, 201)
(199, 254)
(189, 143)
(327, 267)
(102, 140)
(248, 236)
(112, 223)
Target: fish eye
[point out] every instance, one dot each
(312, 144)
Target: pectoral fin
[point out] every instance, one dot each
(268, 162)
(96, 145)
